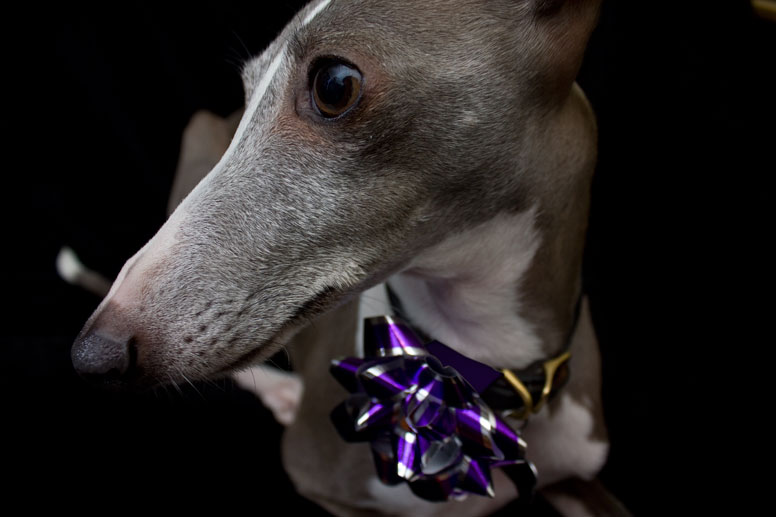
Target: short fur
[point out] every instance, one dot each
(462, 175)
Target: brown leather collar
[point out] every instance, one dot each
(524, 392)
(519, 393)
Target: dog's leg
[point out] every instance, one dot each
(568, 437)
(205, 139)
(280, 391)
(578, 498)
(72, 271)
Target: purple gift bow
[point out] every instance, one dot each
(427, 424)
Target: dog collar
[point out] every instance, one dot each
(516, 393)
(434, 417)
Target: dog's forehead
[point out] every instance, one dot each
(391, 31)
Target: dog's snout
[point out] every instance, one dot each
(104, 359)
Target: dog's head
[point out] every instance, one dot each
(372, 131)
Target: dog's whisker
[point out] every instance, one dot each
(273, 363)
(255, 387)
(180, 372)
(248, 54)
(164, 387)
(175, 385)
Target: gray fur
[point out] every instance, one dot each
(468, 110)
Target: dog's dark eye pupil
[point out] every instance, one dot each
(336, 88)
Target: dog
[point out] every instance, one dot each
(440, 148)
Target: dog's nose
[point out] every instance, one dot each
(103, 359)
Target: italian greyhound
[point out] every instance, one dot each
(439, 148)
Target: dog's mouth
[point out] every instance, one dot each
(319, 303)
(141, 362)
(253, 357)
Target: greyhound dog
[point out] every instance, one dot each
(441, 148)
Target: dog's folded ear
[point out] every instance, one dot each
(565, 26)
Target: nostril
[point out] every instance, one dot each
(103, 357)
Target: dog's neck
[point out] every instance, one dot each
(466, 292)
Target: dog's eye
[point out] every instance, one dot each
(336, 88)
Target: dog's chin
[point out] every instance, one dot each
(255, 356)
(251, 358)
(268, 348)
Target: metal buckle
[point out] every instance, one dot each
(550, 367)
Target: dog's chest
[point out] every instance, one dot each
(565, 439)
(341, 476)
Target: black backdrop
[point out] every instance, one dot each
(95, 101)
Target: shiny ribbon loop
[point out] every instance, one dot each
(427, 424)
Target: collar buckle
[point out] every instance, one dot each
(550, 368)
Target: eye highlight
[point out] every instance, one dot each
(336, 87)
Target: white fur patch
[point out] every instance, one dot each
(250, 110)
(464, 292)
(154, 249)
(563, 443)
(567, 438)
(258, 94)
(318, 8)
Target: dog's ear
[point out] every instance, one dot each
(564, 27)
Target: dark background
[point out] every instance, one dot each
(95, 102)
